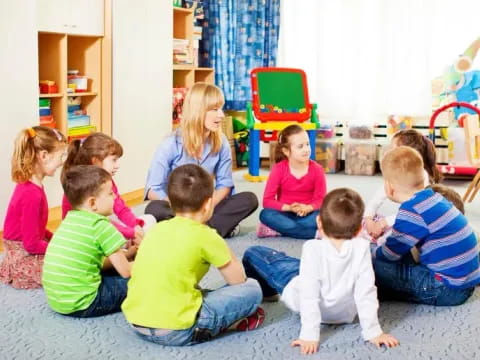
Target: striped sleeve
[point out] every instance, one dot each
(108, 237)
(408, 230)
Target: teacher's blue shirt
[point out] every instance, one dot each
(171, 154)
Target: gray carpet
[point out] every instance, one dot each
(30, 330)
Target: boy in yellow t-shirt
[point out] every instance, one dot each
(164, 303)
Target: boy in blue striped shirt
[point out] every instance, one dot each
(449, 263)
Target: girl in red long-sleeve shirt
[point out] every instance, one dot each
(101, 150)
(38, 152)
(295, 189)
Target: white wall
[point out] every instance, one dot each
(18, 83)
(142, 84)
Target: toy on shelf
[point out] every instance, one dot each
(468, 167)
(459, 83)
(279, 99)
(396, 123)
(48, 87)
(177, 105)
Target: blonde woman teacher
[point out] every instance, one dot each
(200, 141)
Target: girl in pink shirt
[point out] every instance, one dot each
(295, 189)
(101, 150)
(38, 152)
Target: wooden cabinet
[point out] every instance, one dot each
(91, 56)
(79, 17)
(185, 75)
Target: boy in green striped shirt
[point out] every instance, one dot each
(85, 244)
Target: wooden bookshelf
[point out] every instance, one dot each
(185, 75)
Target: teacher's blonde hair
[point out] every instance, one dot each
(201, 98)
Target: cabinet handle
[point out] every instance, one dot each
(65, 25)
(74, 26)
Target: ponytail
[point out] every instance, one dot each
(96, 146)
(27, 144)
(73, 150)
(430, 162)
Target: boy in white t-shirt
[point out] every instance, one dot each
(334, 278)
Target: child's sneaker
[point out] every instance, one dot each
(251, 322)
(234, 232)
(264, 231)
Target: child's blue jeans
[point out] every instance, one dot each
(290, 224)
(405, 280)
(110, 295)
(220, 309)
(273, 269)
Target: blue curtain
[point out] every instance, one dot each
(239, 35)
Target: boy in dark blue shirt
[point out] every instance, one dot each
(449, 263)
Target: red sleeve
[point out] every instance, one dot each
(127, 231)
(66, 207)
(48, 234)
(272, 188)
(123, 212)
(320, 186)
(32, 228)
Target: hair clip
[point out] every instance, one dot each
(31, 133)
(58, 134)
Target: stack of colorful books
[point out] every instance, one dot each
(45, 112)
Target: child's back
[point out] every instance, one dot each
(173, 258)
(341, 277)
(441, 233)
(164, 303)
(449, 263)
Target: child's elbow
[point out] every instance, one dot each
(125, 273)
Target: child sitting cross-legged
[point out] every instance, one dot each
(85, 244)
(165, 304)
(448, 268)
(334, 278)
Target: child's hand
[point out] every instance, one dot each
(131, 252)
(370, 225)
(306, 347)
(302, 209)
(385, 339)
(138, 235)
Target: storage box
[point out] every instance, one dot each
(360, 156)
(47, 88)
(327, 153)
(80, 82)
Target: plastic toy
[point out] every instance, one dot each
(280, 98)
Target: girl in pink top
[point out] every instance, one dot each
(38, 152)
(101, 150)
(295, 189)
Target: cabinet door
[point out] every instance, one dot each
(52, 16)
(86, 17)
